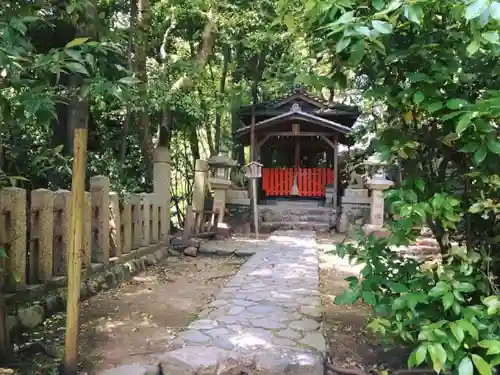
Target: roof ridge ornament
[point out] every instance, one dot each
(296, 107)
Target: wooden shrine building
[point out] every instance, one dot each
(296, 139)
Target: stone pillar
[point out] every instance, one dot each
(13, 233)
(220, 202)
(62, 205)
(161, 187)
(115, 225)
(153, 214)
(135, 204)
(376, 225)
(42, 235)
(126, 225)
(87, 232)
(200, 184)
(145, 219)
(99, 187)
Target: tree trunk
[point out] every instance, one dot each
(144, 20)
(222, 90)
(128, 116)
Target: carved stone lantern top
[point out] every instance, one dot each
(220, 168)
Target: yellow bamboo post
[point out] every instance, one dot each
(75, 248)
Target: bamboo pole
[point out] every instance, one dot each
(75, 248)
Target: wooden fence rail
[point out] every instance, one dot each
(36, 252)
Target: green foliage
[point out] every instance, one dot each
(446, 312)
(432, 68)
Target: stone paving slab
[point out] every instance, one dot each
(273, 303)
(267, 320)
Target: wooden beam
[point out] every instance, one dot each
(263, 140)
(330, 143)
(301, 134)
(335, 171)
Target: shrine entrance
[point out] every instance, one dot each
(296, 139)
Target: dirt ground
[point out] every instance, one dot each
(350, 345)
(137, 320)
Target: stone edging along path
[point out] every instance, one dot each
(266, 320)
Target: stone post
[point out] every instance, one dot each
(99, 187)
(87, 232)
(200, 184)
(145, 219)
(154, 224)
(42, 235)
(62, 204)
(376, 225)
(161, 187)
(126, 225)
(135, 204)
(13, 233)
(115, 225)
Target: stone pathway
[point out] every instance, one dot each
(266, 320)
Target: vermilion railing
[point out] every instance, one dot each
(311, 182)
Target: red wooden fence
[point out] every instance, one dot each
(311, 182)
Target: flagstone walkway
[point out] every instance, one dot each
(266, 320)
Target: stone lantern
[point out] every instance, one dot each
(220, 181)
(377, 183)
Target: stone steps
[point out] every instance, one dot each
(296, 225)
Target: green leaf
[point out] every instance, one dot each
(494, 146)
(491, 36)
(493, 346)
(438, 356)
(468, 327)
(448, 300)
(363, 30)
(357, 53)
(420, 184)
(414, 13)
(465, 367)
(495, 10)
(464, 287)
(77, 68)
(455, 103)
(418, 97)
(482, 366)
(440, 289)
(480, 155)
(347, 298)
(463, 123)
(457, 332)
(434, 107)
(475, 9)
(343, 44)
(382, 27)
(417, 356)
(369, 298)
(378, 4)
(473, 47)
(76, 42)
(129, 80)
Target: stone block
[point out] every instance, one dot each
(135, 209)
(154, 226)
(145, 219)
(134, 369)
(99, 188)
(87, 232)
(115, 225)
(31, 316)
(13, 233)
(62, 204)
(42, 235)
(126, 225)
